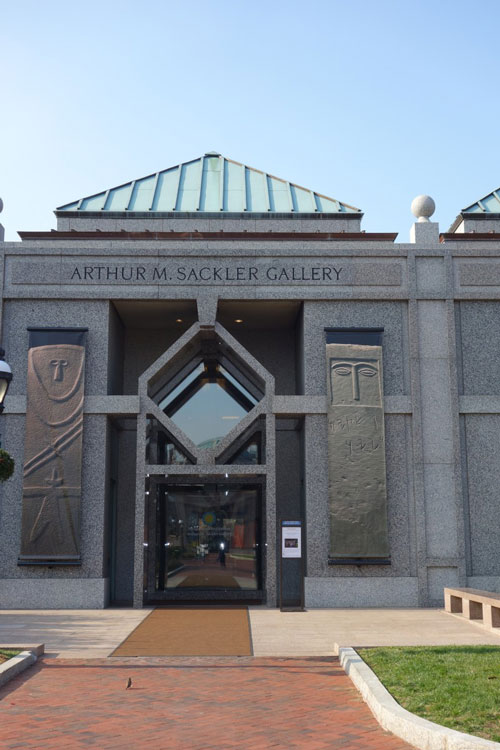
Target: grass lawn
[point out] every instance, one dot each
(456, 686)
(6, 654)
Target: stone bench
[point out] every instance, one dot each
(474, 605)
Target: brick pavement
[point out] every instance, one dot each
(197, 703)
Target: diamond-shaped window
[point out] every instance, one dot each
(161, 448)
(209, 401)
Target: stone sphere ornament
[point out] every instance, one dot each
(422, 207)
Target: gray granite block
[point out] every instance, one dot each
(480, 223)
(399, 496)
(483, 449)
(116, 405)
(425, 234)
(60, 593)
(284, 405)
(397, 405)
(480, 323)
(484, 583)
(15, 404)
(316, 493)
(441, 510)
(361, 592)
(12, 434)
(431, 277)
(438, 580)
(478, 274)
(432, 329)
(479, 404)
(436, 410)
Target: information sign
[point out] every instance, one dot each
(291, 541)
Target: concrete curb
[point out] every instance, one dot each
(16, 665)
(37, 648)
(418, 732)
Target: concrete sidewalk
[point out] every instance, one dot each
(96, 633)
(71, 633)
(314, 633)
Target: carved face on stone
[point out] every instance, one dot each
(354, 381)
(58, 368)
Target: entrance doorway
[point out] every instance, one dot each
(205, 541)
(202, 435)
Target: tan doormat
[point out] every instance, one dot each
(184, 631)
(226, 582)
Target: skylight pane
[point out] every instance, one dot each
(234, 188)
(189, 187)
(491, 204)
(142, 198)
(257, 197)
(327, 206)
(280, 192)
(305, 200)
(166, 194)
(118, 198)
(94, 203)
(211, 187)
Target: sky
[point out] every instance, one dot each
(369, 102)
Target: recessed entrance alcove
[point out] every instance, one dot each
(203, 438)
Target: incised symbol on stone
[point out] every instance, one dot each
(59, 365)
(53, 451)
(356, 452)
(356, 370)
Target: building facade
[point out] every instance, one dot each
(207, 352)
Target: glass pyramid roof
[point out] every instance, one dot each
(211, 183)
(490, 204)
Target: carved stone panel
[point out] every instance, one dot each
(53, 448)
(356, 452)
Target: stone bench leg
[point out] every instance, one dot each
(452, 603)
(491, 616)
(472, 610)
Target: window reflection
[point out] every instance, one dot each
(209, 401)
(160, 448)
(249, 454)
(209, 415)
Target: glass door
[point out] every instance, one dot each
(208, 537)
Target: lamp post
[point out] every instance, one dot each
(5, 378)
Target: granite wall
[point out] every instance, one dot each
(391, 316)
(86, 585)
(442, 407)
